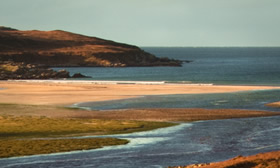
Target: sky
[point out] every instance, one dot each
(192, 23)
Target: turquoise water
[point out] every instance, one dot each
(250, 100)
(233, 66)
(254, 66)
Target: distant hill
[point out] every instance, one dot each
(63, 49)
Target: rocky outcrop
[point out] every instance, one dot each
(79, 75)
(63, 49)
(11, 70)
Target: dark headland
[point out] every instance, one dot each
(65, 49)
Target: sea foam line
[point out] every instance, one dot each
(114, 82)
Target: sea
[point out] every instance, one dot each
(217, 65)
(222, 65)
(186, 143)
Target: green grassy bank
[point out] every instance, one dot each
(20, 134)
(10, 147)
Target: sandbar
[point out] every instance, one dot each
(50, 93)
(274, 104)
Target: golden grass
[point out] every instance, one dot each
(9, 68)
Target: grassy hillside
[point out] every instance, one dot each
(61, 48)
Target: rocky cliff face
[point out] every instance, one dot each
(60, 48)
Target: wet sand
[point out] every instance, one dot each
(172, 115)
(49, 93)
(162, 115)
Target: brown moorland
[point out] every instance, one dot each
(61, 48)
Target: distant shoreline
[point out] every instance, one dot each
(112, 82)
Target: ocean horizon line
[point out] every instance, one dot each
(209, 46)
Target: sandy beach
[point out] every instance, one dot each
(140, 84)
(46, 98)
(49, 93)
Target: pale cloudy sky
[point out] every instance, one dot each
(153, 22)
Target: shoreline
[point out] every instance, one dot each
(120, 82)
(117, 82)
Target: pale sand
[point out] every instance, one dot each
(48, 93)
(274, 104)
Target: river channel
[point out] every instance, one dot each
(187, 143)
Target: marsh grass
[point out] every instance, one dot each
(11, 148)
(7, 109)
(32, 127)
(21, 131)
